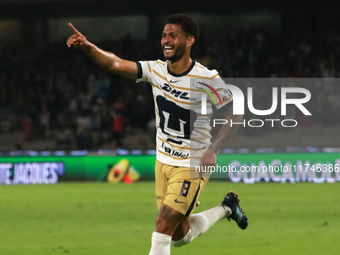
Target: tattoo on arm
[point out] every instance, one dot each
(226, 131)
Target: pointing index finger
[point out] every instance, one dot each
(74, 30)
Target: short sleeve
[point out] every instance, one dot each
(144, 71)
(222, 95)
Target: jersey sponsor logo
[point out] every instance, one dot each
(175, 92)
(173, 152)
(172, 81)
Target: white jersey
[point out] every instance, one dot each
(183, 126)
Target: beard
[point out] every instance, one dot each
(178, 53)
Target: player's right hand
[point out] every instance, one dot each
(77, 40)
(207, 160)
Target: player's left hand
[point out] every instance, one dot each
(208, 159)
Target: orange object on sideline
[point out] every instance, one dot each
(128, 179)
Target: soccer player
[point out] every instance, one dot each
(183, 131)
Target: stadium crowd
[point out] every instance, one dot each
(53, 92)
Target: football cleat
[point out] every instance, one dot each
(231, 200)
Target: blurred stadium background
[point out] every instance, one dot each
(62, 118)
(55, 98)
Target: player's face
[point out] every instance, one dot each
(174, 42)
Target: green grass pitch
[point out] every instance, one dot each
(102, 218)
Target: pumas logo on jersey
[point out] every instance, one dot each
(175, 92)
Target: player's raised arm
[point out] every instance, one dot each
(104, 59)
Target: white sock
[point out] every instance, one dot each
(201, 222)
(160, 244)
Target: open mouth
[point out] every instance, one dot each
(168, 48)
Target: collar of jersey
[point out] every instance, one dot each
(182, 74)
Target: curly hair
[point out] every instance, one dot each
(188, 25)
